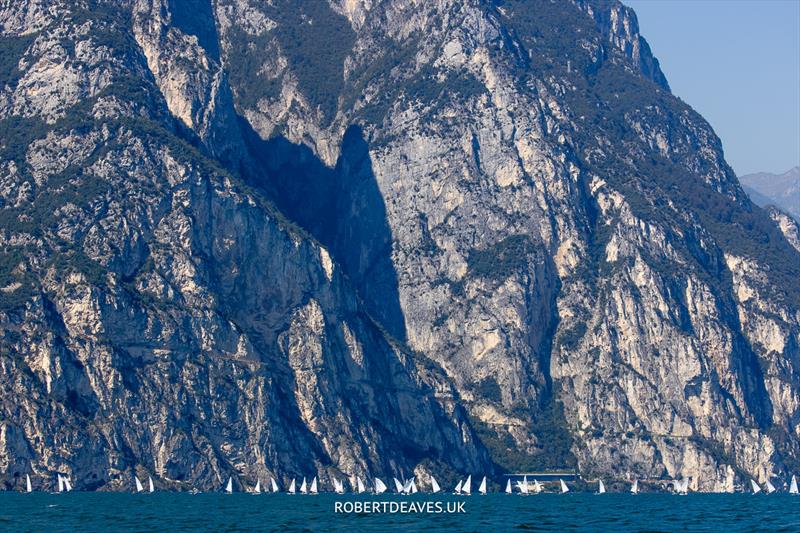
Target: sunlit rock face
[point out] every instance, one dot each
(375, 238)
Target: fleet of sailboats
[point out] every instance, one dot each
(409, 486)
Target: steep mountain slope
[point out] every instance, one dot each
(781, 190)
(157, 315)
(491, 212)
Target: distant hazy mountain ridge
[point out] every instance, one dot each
(780, 190)
(337, 238)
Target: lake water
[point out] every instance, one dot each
(164, 511)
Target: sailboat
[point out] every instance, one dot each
(397, 485)
(150, 483)
(29, 488)
(67, 486)
(434, 485)
(523, 486)
(682, 486)
(303, 487)
(755, 487)
(292, 489)
(601, 489)
(313, 489)
(60, 483)
(139, 487)
(257, 489)
(564, 488)
(482, 487)
(537, 487)
(338, 486)
(380, 487)
(635, 487)
(274, 485)
(466, 488)
(508, 487)
(360, 485)
(457, 490)
(229, 486)
(792, 487)
(413, 486)
(770, 487)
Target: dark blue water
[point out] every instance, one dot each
(496, 512)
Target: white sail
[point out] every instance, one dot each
(407, 486)
(338, 486)
(793, 486)
(537, 487)
(564, 488)
(313, 489)
(457, 490)
(274, 485)
(523, 487)
(303, 487)
(361, 487)
(482, 488)
(150, 484)
(229, 486)
(508, 487)
(29, 488)
(635, 487)
(397, 485)
(139, 487)
(380, 487)
(770, 487)
(292, 488)
(257, 489)
(60, 483)
(434, 485)
(601, 489)
(755, 487)
(413, 486)
(681, 486)
(67, 486)
(466, 488)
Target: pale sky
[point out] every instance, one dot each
(737, 62)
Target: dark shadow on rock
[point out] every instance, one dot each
(342, 207)
(196, 17)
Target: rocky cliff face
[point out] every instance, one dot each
(354, 237)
